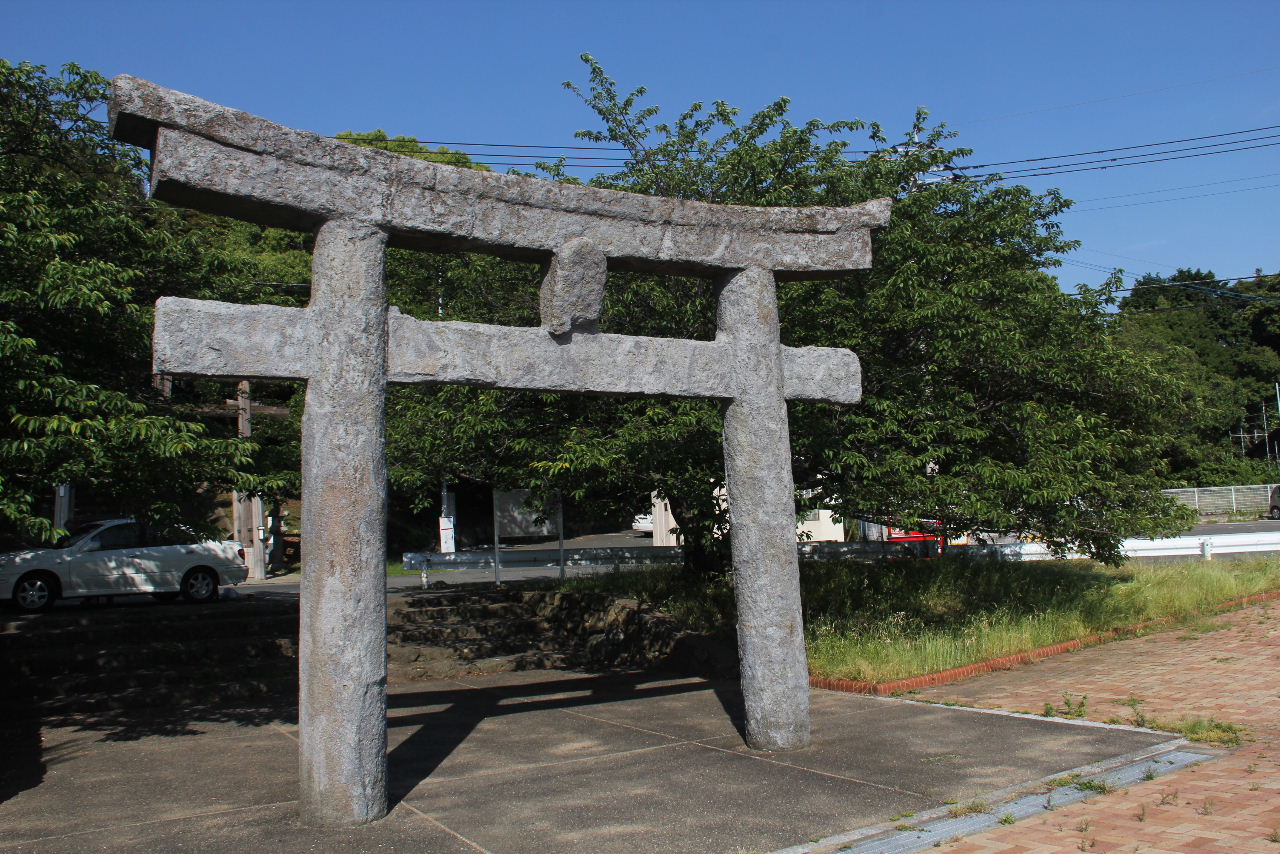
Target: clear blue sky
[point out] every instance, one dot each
(1016, 79)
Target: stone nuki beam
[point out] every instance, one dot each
(220, 339)
(348, 344)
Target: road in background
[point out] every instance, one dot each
(1258, 527)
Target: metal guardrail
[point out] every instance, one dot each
(527, 558)
(645, 555)
(1220, 500)
(1190, 546)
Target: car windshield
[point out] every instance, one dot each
(76, 534)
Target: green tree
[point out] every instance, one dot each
(1222, 340)
(993, 401)
(410, 147)
(82, 259)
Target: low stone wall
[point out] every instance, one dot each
(612, 632)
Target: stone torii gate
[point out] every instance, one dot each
(347, 344)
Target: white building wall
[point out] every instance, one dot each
(818, 526)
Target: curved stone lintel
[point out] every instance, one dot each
(215, 157)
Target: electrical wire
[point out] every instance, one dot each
(360, 141)
(1065, 168)
(1176, 199)
(1133, 147)
(1175, 189)
(548, 149)
(1194, 285)
(1045, 165)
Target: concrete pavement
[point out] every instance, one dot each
(535, 761)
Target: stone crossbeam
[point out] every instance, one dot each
(214, 158)
(274, 342)
(348, 344)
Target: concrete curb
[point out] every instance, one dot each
(1008, 662)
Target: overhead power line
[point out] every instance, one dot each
(1175, 189)
(1065, 168)
(1128, 148)
(1202, 285)
(1230, 142)
(1176, 198)
(478, 144)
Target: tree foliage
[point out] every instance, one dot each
(82, 259)
(1223, 340)
(992, 401)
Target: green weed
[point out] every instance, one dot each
(1063, 782)
(1208, 730)
(1136, 717)
(881, 620)
(970, 808)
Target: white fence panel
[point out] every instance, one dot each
(1220, 500)
(1194, 546)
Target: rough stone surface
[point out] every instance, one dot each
(758, 482)
(213, 157)
(342, 641)
(347, 344)
(223, 339)
(573, 289)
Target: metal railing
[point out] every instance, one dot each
(1222, 500)
(1203, 546)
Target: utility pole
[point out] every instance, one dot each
(63, 505)
(497, 538)
(1266, 434)
(560, 529)
(448, 512)
(247, 510)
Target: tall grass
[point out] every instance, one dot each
(929, 616)
(882, 620)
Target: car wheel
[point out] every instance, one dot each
(35, 591)
(166, 596)
(1275, 512)
(199, 585)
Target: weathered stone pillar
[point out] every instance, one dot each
(343, 631)
(761, 491)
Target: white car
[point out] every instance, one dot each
(643, 523)
(117, 557)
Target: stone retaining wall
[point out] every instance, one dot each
(614, 632)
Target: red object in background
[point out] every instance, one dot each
(900, 535)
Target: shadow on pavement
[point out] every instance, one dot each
(453, 714)
(24, 764)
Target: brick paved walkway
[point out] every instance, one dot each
(1229, 804)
